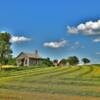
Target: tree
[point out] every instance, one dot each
(73, 60)
(85, 60)
(5, 50)
(55, 62)
(63, 62)
(5, 37)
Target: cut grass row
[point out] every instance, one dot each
(60, 73)
(14, 95)
(70, 72)
(73, 80)
(54, 88)
(34, 73)
(80, 71)
(51, 74)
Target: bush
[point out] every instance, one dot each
(46, 62)
(12, 61)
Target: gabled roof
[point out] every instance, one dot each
(29, 55)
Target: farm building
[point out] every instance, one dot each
(28, 59)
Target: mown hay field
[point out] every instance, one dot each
(51, 83)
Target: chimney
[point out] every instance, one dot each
(36, 53)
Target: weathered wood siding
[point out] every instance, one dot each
(34, 61)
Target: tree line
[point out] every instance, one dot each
(72, 60)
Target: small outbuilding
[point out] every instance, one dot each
(28, 59)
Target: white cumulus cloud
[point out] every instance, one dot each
(98, 53)
(97, 39)
(55, 44)
(72, 30)
(15, 39)
(3, 31)
(87, 28)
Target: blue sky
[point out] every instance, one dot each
(57, 28)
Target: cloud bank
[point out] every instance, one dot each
(87, 28)
(15, 39)
(55, 44)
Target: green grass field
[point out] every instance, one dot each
(51, 83)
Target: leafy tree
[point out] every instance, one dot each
(5, 50)
(73, 60)
(55, 62)
(63, 61)
(5, 37)
(85, 60)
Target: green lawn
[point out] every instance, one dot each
(51, 82)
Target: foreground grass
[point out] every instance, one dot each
(51, 82)
(12, 95)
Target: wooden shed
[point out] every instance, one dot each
(28, 59)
